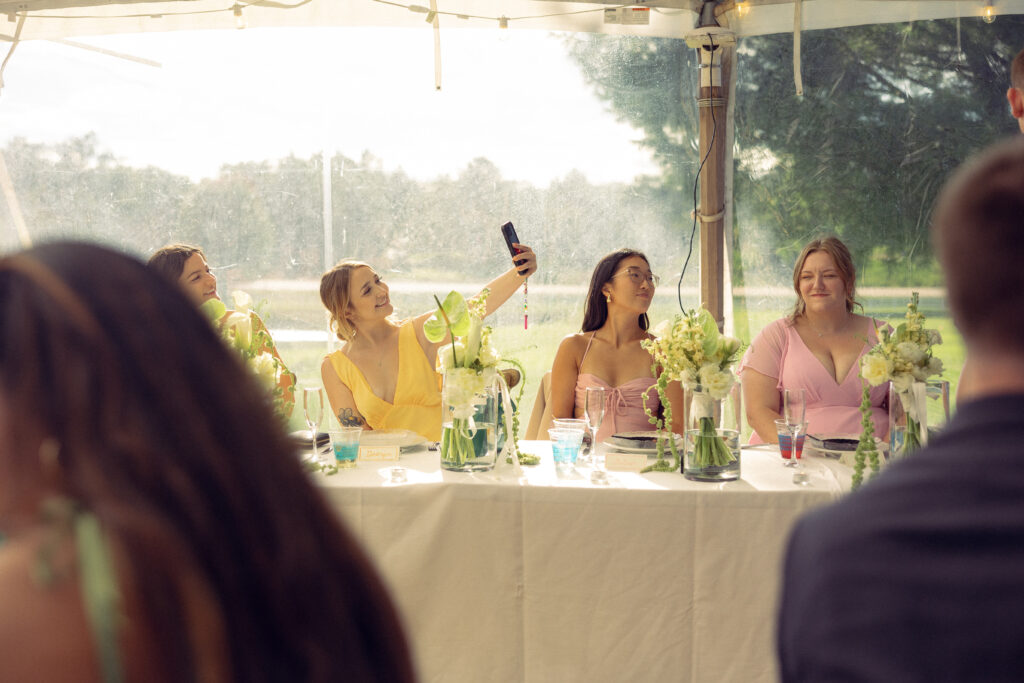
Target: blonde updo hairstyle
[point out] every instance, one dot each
(835, 248)
(334, 293)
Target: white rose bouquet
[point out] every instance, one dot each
(904, 357)
(690, 350)
(470, 365)
(243, 332)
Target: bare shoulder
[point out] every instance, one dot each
(34, 617)
(575, 341)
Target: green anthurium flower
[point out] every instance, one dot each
(214, 309)
(451, 315)
(710, 329)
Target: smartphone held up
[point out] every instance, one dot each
(508, 231)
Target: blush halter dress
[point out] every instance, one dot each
(624, 404)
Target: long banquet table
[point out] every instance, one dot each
(542, 577)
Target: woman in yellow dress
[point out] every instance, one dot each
(384, 376)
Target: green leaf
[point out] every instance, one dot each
(452, 315)
(214, 309)
(710, 329)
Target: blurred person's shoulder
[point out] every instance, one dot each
(44, 635)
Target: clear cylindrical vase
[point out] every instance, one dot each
(908, 419)
(711, 450)
(469, 404)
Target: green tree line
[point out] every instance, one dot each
(266, 218)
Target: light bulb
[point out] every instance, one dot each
(742, 8)
(988, 14)
(240, 22)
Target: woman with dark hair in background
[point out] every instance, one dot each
(158, 524)
(816, 348)
(186, 265)
(607, 352)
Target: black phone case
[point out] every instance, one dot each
(508, 231)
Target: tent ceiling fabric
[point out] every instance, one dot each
(48, 19)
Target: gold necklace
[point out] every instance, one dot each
(822, 334)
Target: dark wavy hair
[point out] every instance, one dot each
(169, 260)
(595, 310)
(226, 550)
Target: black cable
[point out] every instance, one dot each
(696, 180)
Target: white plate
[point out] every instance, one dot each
(617, 445)
(814, 443)
(405, 439)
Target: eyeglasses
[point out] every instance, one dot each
(638, 278)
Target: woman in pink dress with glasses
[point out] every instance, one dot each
(607, 352)
(817, 348)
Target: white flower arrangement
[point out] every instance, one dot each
(253, 344)
(690, 350)
(904, 357)
(469, 364)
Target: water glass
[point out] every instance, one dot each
(786, 450)
(345, 442)
(565, 445)
(575, 423)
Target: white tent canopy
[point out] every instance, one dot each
(48, 19)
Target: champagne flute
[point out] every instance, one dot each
(593, 410)
(313, 407)
(794, 409)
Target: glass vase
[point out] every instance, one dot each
(469, 404)
(711, 450)
(908, 419)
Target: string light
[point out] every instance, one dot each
(742, 8)
(235, 9)
(502, 20)
(988, 14)
(240, 22)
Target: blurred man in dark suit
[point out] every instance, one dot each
(919, 576)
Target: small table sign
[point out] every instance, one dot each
(614, 461)
(379, 453)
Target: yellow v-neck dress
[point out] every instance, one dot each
(417, 404)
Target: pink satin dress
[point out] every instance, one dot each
(833, 408)
(623, 405)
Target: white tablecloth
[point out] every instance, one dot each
(547, 578)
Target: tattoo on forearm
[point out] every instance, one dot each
(347, 419)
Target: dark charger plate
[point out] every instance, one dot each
(638, 440)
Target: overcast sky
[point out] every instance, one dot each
(230, 96)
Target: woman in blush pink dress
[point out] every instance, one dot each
(607, 352)
(818, 348)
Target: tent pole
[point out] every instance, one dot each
(711, 102)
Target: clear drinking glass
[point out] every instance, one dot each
(794, 409)
(575, 423)
(593, 409)
(313, 408)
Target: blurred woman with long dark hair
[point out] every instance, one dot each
(158, 524)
